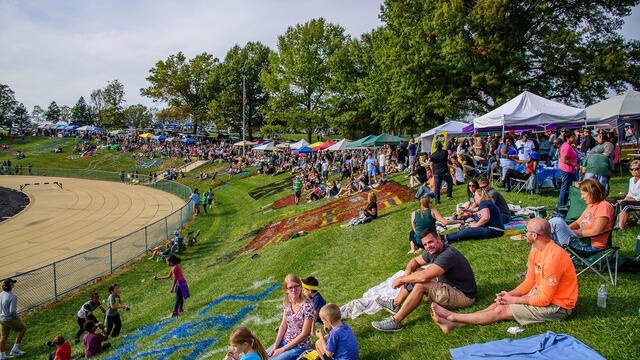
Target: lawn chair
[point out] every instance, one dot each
(171, 251)
(598, 261)
(482, 170)
(192, 240)
(572, 211)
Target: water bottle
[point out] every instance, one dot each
(602, 296)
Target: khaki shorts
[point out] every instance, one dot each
(7, 326)
(529, 314)
(447, 296)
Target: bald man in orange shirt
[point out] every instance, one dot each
(548, 293)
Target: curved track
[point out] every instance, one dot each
(84, 214)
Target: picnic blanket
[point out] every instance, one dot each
(515, 226)
(543, 346)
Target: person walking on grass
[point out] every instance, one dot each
(179, 285)
(297, 189)
(9, 320)
(195, 197)
(112, 318)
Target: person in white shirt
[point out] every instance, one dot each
(525, 147)
(382, 161)
(632, 201)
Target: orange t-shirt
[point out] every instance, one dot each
(588, 217)
(554, 276)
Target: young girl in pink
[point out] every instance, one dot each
(179, 283)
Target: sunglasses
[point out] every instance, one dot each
(634, 169)
(291, 288)
(533, 232)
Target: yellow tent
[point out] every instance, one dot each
(316, 144)
(147, 135)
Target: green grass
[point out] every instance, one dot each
(347, 263)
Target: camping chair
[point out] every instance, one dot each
(572, 211)
(192, 240)
(599, 260)
(482, 170)
(165, 254)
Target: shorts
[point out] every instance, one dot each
(297, 193)
(14, 324)
(529, 314)
(372, 172)
(448, 296)
(412, 160)
(381, 169)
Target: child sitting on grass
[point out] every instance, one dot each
(93, 342)
(310, 289)
(340, 343)
(63, 351)
(245, 343)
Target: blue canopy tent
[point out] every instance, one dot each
(173, 124)
(189, 140)
(159, 137)
(304, 150)
(188, 124)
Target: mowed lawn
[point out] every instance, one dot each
(347, 263)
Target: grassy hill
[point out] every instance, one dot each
(347, 263)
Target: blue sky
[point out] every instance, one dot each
(61, 50)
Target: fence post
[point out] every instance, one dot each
(146, 245)
(55, 286)
(111, 256)
(166, 227)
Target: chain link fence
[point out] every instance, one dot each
(50, 282)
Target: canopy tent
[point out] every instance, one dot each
(44, 126)
(340, 145)
(159, 138)
(452, 128)
(60, 127)
(116, 132)
(89, 128)
(146, 135)
(616, 111)
(528, 109)
(315, 144)
(244, 143)
(303, 150)
(173, 124)
(189, 141)
(188, 124)
(71, 127)
(358, 143)
(283, 145)
(265, 147)
(298, 145)
(383, 139)
(325, 145)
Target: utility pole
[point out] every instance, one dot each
(244, 102)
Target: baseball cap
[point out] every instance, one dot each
(9, 282)
(563, 129)
(175, 232)
(525, 134)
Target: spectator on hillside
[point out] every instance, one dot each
(568, 166)
(418, 176)
(425, 218)
(548, 293)
(497, 199)
(599, 167)
(10, 320)
(93, 343)
(631, 202)
(489, 224)
(448, 281)
(531, 169)
(413, 151)
(469, 208)
(86, 314)
(340, 343)
(440, 167)
(367, 213)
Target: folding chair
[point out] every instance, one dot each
(599, 260)
(482, 170)
(165, 254)
(192, 240)
(572, 211)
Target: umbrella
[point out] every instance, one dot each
(189, 140)
(244, 143)
(146, 135)
(188, 124)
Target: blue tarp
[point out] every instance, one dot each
(544, 346)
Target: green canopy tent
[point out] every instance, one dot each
(358, 143)
(383, 139)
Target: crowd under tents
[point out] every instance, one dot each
(529, 111)
(452, 128)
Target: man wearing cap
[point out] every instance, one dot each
(588, 142)
(525, 146)
(9, 319)
(563, 134)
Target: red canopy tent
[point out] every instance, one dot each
(323, 146)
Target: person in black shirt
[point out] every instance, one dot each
(588, 141)
(440, 167)
(448, 281)
(418, 176)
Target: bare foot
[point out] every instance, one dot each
(411, 252)
(442, 312)
(445, 325)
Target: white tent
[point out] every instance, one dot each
(340, 145)
(300, 144)
(265, 147)
(624, 106)
(528, 109)
(453, 128)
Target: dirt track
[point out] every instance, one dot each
(84, 214)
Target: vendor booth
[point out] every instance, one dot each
(452, 128)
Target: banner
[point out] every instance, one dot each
(442, 137)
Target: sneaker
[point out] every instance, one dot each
(174, 314)
(387, 325)
(387, 304)
(17, 353)
(50, 344)
(450, 198)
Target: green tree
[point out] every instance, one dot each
(8, 104)
(81, 113)
(246, 62)
(451, 57)
(20, 119)
(97, 101)
(183, 85)
(53, 113)
(37, 114)
(65, 114)
(113, 97)
(299, 75)
(138, 116)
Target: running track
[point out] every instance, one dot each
(84, 214)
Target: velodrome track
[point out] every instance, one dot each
(84, 214)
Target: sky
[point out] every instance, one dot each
(60, 50)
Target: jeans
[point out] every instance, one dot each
(424, 191)
(81, 322)
(290, 354)
(566, 178)
(601, 179)
(473, 233)
(439, 179)
(179, 299)
(416, 242)
(113, 323)
(562, 234)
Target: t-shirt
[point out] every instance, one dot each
(634, 189)
(318, 303)
(371, 164)
(501, 203)
(196, 198)
(412, 149)
(457, 270)
(598, 164)
(64, 352)
(373, 207)
(439, 160)
(424, 221)
(495, 218)
(8, 306)
(297, 184)
(587, 219)
(382, 160)
(567, 151)
(421, 173)
(111, 300)
(552, 272)
(295, 322)
(87, 307)
(343, 343)
(93, 344)
(253, 356)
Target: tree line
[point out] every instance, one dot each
(430, 61)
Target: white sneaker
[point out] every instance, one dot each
(16, 353)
